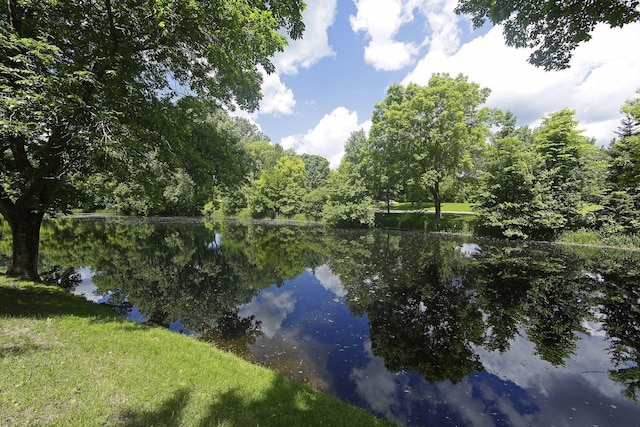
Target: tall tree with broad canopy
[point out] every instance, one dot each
(347, 201)
(434, 131)
(386, 148)
(552, 28)
(84, 83)
(279, 191)
(316, 169)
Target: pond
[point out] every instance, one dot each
(417, 328)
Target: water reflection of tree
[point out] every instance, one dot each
(429, 304)
(620, 305)
(540, 289)
(276, 252)
(233, 333)
(422, 314)
(167, 272)
(185, 271)
(498, 275)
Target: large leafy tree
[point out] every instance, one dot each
(436, 131)
(386, 148)
(573, 163)
(347, 201)
(85, 83)
(181, 180)
(552, 28)
(316, 170)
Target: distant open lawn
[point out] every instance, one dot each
(68, 362)
(430, 206)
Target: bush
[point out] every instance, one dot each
(348, 214)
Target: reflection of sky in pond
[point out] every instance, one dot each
(311, 335)
(86, 288)
(468, 249)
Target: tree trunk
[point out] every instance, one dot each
(25, 229)
(388, 199)
(435, 190)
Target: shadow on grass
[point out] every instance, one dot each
(23, 299)
(285, 403)
(169, 414)
(19, 346)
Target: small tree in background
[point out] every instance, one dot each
(573, 166)
(348, 203)
(279, 191)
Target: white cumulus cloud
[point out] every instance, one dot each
(276, 97)
(328, 137)
(603, 74)
(442, 23)
(314, 44)
(330, 281)
(381, 20)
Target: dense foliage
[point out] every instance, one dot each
(422, 135)
(433, 144)
(553, 28)
(85, 89)
(539, 183)
(622, 203)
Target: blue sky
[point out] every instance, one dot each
(327, 83)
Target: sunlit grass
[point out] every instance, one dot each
(600, 238)
(581, 237)
(429, 206)
(67, 362)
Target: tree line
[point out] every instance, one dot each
(438, 143)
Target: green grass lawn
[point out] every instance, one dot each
(430, 206)
(67, 362)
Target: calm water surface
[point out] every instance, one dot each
(416, 328)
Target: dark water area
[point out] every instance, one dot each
(417, 328)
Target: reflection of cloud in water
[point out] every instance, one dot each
(376, 385)
(481, 404)
(468, 249)
(271, 309)
(594, 328)
(330, 281)
(520, 365)
(86, 288)
(517, 388)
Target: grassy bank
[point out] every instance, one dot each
(67, 362)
